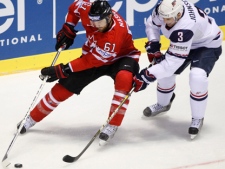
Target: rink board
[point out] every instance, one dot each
(28, 29)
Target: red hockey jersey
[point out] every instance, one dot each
(101, 48)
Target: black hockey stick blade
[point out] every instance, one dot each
(70, 159)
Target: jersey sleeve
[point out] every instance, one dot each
(167, 67)
(152, 26)
(180, 45)
(81, 64)
(73, 15)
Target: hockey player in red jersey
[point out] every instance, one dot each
(108, 51)
(195, 40)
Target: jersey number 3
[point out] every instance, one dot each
(180, 36)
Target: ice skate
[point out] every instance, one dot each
(107, 134)
(28, 124)
(195, 127)
(156, 109)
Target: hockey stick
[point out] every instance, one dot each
(5, 161)
(70, 159)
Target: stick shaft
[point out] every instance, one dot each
(70, 159)
(4, 160)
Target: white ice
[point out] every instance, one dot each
(140, 143)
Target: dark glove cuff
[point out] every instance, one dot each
(71, 27)
(66, 69)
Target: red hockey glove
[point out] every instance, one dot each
(56, 72)
(142, 80)
(153, 50)
(65, 36)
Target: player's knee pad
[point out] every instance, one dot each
(167, 83)
(198, 81)
(124, 81)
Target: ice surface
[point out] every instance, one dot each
(140, 143)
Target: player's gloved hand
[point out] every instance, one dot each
(142, 80)
(56, 72)
(65, 36)
(153, 50)
(158, 59)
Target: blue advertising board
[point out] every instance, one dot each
(29, 27)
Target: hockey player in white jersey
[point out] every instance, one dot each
(195, 40)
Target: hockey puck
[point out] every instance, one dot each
(18, 165)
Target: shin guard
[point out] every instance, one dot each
(49, 102)
(118, 118)
(199, 92)
(123, 84)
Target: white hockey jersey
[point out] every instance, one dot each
(193, 30)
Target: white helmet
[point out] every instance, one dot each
(170, 8)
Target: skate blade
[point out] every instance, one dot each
(193, 136)
(102, 143)
(161, 114)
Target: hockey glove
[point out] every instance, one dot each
(142, 80)
(56, 72)
(65, 36)
(159, 59)
(153, 50)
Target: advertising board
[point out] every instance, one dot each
(29, 27)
